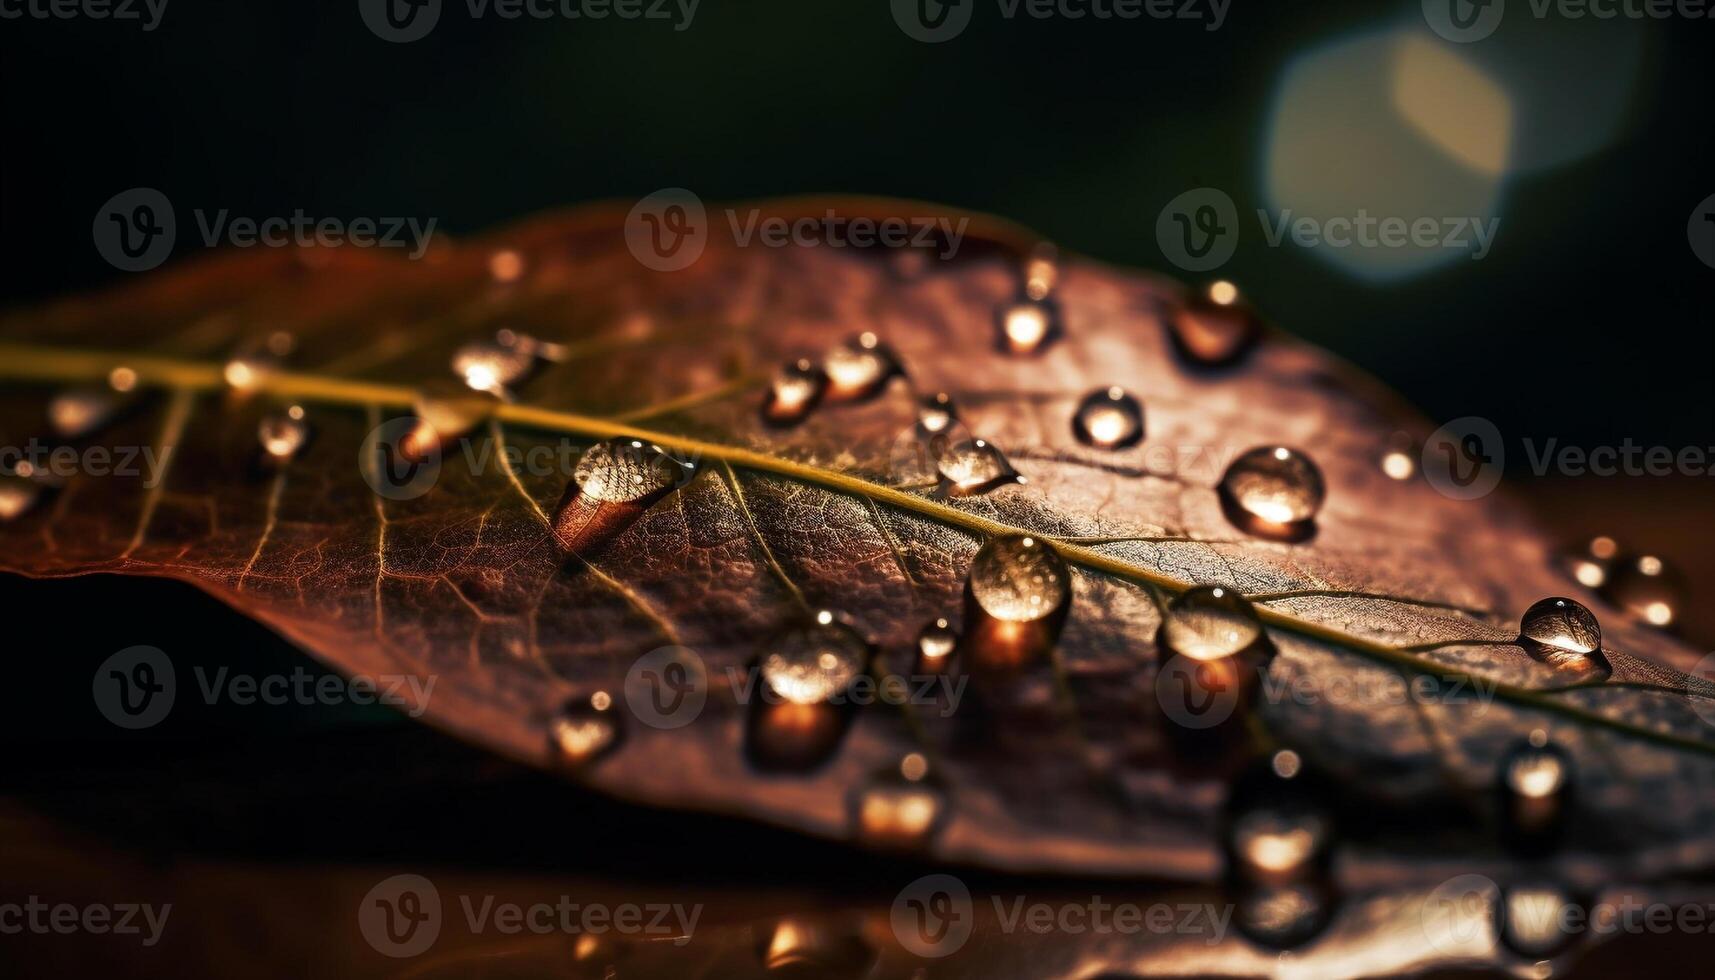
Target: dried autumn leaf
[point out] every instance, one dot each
(519, 603)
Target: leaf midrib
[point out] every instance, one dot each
(43, 363)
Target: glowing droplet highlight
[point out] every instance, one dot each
(283, 433)
(1565, 635)
(1273, 492)
(614, 483)
(1109, 418)
(795, 393)
(1214, 327)
(860, 368)
(1016, 601)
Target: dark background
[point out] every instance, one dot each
(1589, 322)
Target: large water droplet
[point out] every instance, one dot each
(1109, 418)
(1593, 563)
(612, 485)
(506, 265)
(283, 433)
(1565, 635)
(900, 808)
(805, 673)
(495, 366)
(936, 645)
(795, 392)
(969, 466)
(1273, 492)
(936, 415)
(859, 368)
(1538, 921)
(1016, 600)
(1210, 622)
(80, 412)
(1215, 327)
(815, 662)
(1648, 588)
(1535, 786)
(17, 496)
(1279, 833)
(1027, 326)
(586, 729)
(813, 948)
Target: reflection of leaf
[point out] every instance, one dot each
(466, 583)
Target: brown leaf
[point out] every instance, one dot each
(1067, 763)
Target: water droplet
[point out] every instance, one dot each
(900, 808)
(495, 366)
(1592, 564)
(935, 648)
(969, 466)
(1041, 271)
(1027, 326)
(936, 415)
(1535, 791)
(1109, 418)
(806, 947)
(122, 379)
(612, 485)
(1648, 588)
(1016, 600)
(586, 729)
(814, 663)
(446, 411)
(17, 496)
(1533, 920)
(1273, 492)
(1279, 827)
(1399, 461)
(860, 368)
(79, 412)
(506, 265)
(283, 433)
(256, 359)
(1210, 622)
(1565, 635)
(796, 391)
(1215, 327)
